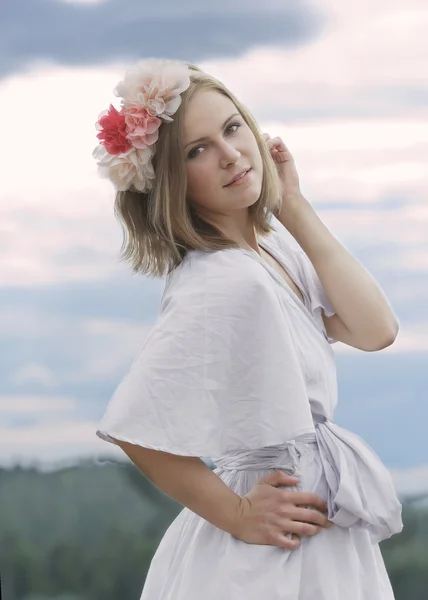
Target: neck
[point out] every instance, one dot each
(240, 229)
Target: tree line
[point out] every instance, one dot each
(89, 531)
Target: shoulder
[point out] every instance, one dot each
(227, 276)
(231, 266)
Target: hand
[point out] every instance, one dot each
(274, 517)
(286, 168)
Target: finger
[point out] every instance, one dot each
(306, 499)
(280, 150)
(278, 145)
(265, 136)
(301, 528)
(288, 481)
(278, 156)
(283, 541)
(308, 516)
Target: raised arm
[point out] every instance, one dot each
(364, 318)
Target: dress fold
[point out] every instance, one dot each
(360, 488)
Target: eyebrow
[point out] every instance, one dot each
(202, 139)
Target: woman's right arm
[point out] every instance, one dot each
(263, 516)
(189, 481)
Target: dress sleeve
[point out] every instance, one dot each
(307, 273)
(314, 286)
(316, 292)
(218, 372)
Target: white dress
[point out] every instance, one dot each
(239, 370)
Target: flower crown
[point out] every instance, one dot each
(150, 94)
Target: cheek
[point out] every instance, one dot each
(199, 178)
(256, 153)
(192, 180)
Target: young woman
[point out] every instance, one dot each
(239, 366)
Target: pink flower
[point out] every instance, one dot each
(113, 132)
(143, 128)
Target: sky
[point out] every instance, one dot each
(344, 84)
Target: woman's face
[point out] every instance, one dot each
(229, 147)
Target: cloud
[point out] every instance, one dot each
(11, 405)
(53, 444)
(368, 62)
(71, 350)
(33, 374)
(27, 412)
(361, 161)
(380, 41)
(37, 31)
(75, 338)
(411, 482)
(77, 2)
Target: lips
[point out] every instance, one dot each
(237, 176)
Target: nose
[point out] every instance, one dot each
(228, 154)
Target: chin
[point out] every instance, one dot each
(254, 196)
(254, 201)
(245, 203)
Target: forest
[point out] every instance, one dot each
(89, 531)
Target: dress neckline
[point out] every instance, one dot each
(269, 247)
(296, 303)
(287, 268)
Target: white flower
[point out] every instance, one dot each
(131, 168)
(156, 85)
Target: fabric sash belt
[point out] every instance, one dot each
(360, 489)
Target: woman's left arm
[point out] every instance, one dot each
(364, 319)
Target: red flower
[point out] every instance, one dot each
(113, 132)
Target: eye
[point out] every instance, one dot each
(192, 152)
(238, 125)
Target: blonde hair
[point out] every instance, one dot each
(160, 227)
